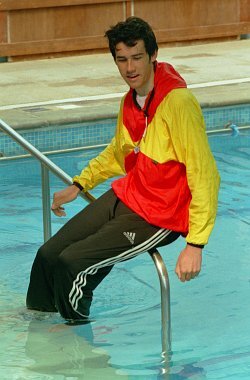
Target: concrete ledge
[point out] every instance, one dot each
(83, 76)
(35, 117)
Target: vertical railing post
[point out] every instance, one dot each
(165, 304)
(46, 203)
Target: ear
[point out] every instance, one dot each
(154, 56)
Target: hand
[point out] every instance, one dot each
(189, 263)
(64, 196)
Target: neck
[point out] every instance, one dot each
(146, 90)
(149, 85)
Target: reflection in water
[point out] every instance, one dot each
(36, 344)
(47, 346)
(66, 350)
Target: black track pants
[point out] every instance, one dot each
(69, 266)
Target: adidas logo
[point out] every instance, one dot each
(130, 236)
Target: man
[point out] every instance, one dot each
(168, 184)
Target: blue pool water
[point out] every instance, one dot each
(210, 315)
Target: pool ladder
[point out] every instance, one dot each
(46, 166)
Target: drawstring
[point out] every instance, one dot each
(144, 110)
(146, 127)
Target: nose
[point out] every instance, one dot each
(130, 66)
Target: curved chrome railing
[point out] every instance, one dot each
(47, 165)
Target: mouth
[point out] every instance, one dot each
(132, 77)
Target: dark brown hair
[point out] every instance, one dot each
(129, 32)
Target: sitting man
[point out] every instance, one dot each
(168, 184)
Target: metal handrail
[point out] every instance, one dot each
(47, 165)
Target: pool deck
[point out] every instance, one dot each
(88, 87)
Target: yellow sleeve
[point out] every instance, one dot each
(189, 138)
(109, 163)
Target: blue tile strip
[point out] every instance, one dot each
(100, 132)
(218, 117)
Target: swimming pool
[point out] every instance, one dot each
(210, 315)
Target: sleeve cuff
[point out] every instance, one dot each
(196, 245)
(78, 185)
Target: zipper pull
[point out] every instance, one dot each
(136, 149)
(146, 127)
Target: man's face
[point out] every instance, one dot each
(135, 66)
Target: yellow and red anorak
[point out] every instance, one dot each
(169, 173)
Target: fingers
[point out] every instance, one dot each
(189, 263)
(61, 197)
(189, 276)
(184, 275)
(58, 210)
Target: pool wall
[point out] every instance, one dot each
(85, 134)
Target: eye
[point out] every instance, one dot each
(120, 59)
